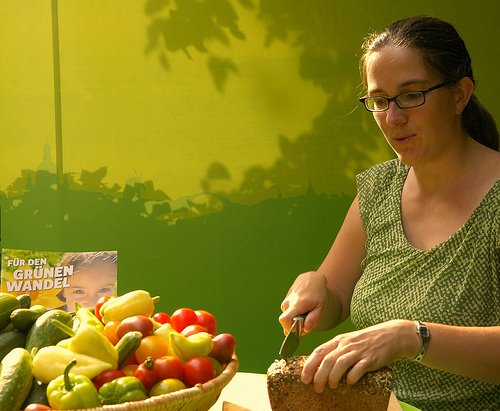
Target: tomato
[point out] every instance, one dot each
(99, 304)
(193, 329)
(207, 320)
(198, 370)
(183, 317)
(224, 348)
(107, 376)
(161, 318)
(167, 385)
(132, 360)
(146, 373)
(169, 366)
(129, 369)
(139, 323)
(110, 331)
(37, 407)
(151, 346)
(217, 365)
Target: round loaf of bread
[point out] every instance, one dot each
(288, 393)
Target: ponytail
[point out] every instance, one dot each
(480, 124)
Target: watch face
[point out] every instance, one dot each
(424, 330)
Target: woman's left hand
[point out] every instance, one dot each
(360, 351)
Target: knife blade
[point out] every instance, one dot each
(292, 339)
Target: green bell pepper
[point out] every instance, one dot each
(122, 389)
(71, 392)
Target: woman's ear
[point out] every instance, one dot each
(464, 90)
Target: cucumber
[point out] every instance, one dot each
(23, 318)
(127, 345)
(24, 300)
(37, 394)
(10, 340)
(8, 303)
(16, 377)
(44, 333)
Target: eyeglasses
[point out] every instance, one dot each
(404, 100)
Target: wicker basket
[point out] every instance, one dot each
(198, 398)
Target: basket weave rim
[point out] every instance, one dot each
(216, 384)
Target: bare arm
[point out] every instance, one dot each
(342, 265)
(469, 351)
(326, 294)
(472, 352)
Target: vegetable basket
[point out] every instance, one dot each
(198, 398)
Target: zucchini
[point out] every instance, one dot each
(16, 377)
(24, 300)
(10, 340)
(44, 333)
(23, 318)
(8, 303)
(127, 345)
(37, 394)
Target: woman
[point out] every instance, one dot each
(416, 262)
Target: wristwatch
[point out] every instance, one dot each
(425, 335)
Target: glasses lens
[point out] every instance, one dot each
(376, 103)
(411, 99)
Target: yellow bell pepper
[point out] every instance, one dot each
(50, 362)
(85, 316)
(195, 345)
(138, 302)
(89, 341)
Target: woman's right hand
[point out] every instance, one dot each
(308, 294)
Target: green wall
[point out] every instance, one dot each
(212, 143)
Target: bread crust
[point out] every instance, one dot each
(288, 393)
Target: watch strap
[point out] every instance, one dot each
(424, 334)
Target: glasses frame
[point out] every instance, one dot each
(424, 92)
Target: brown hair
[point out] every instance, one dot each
(86, 259)
(445, 53)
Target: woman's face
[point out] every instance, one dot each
(87, 285)
(419, 134)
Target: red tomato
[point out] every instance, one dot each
(139, 323)
(99, 304)
(107, 376)
(151, 346)
(183, 317)
(146, 373)
(37, 407)
(207, 320)
(224, 348)
(198, 370)
(169, 366)
(193, 329)
(161, 318)
(132, 360)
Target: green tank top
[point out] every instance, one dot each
(456, 282)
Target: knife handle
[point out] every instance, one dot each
(298, 323)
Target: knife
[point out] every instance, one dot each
(292, 339)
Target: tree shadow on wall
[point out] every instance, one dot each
(326, 37)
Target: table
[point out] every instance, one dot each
(249, 391)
